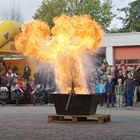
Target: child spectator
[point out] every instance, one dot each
(97, 87)
(102, 90)
(119, 93)
(110, 86)
(129, 87)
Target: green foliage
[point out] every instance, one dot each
(50, 9)
(101, 12)
(115, 30)
(131, 21)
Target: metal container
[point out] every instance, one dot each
(75, 104)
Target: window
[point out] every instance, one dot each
(132, 61)
(117, 61)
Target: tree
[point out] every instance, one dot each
(12, 13)
(131, 21)
(50, 9)
(115, 30)
(100, 11)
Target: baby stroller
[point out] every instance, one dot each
(3, 95)
(39, 95)
(16, 94)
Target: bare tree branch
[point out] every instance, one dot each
(12, 12)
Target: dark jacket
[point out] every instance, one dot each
(129, 85)
(137, 76)
(27, 72)
(110, 87)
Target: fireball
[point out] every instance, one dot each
(70, 39)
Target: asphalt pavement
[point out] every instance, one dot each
(30, 123)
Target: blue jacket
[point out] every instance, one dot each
(97, 89)
(100, 88)
(110, 87)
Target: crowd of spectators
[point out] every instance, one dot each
(116, 86)
(43, 81)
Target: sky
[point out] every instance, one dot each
(28, 8)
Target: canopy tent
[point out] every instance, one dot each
(8, 52)
(8, 48)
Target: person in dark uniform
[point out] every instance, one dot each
(27, 72)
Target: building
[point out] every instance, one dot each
(122, 46)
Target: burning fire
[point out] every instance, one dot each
(70, 39)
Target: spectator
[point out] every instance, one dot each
(124, 68)
(120, 74)
(16, 93)
(15, 70)
(27, 72)
(9, 81)
(137, 84)
(37, 77)
(103, 67)
(39, 96)
(101, 75)
(2, 79)
(94, 89)
(129, 86)
(48, 92)
(102, 90)
(97, 87)
(128, 70)
(105, 63)
(110, 91)
(118, 68)
(132, 70)
(2, 65)
(119, 93)
(124, 78)
(113, 75)
(123, 65)
(27, 90)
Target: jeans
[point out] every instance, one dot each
(129, 98)
(110, 97)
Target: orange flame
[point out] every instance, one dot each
(71, 38)
(32, 39)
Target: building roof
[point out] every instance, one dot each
(121, 39)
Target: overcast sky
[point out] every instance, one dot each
(28, 8)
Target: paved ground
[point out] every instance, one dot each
(30, 123)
